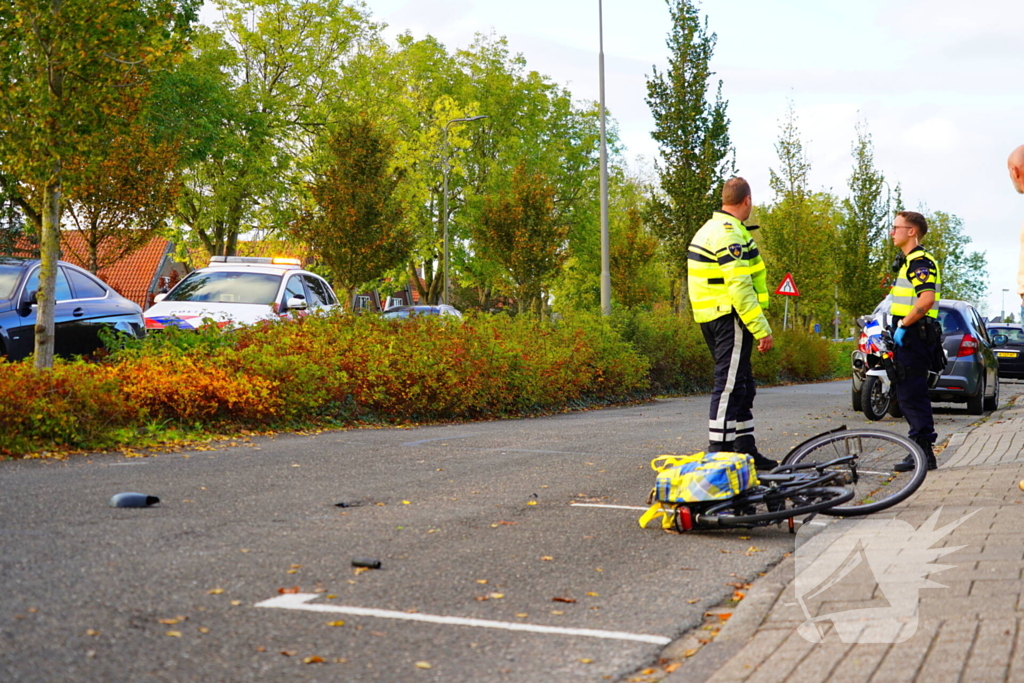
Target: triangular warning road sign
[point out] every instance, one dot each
(787, 286)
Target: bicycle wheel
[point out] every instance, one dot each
(870, 473)
(763, 505)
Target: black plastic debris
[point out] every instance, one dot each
(133, 500)
(350, 504)
(366, 562)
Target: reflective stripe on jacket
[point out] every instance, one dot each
(725, 272)
(919, 273)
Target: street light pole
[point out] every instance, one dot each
(444, 193)
(606, 280)
(1002, 312)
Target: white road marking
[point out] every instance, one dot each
(599, 505)
(298, 601)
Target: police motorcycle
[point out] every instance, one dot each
(874, 390)
(875, 372)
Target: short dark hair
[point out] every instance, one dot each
(916, 220)
(735, 191)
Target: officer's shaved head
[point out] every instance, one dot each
(735, 191)
(1015, 164)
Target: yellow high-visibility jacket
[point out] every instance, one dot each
(725, 272)
(919, 273)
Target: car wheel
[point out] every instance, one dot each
(855, 398)
(874, 399)
(993, 403)
(976, 404)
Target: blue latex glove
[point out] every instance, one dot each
(898, 337)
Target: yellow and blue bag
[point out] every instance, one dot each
(698, 478)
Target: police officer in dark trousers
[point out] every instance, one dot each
(728, 293)
(915, 311)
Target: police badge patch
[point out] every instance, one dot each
(921, 274)
(736, 250)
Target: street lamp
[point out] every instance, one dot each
(444, 211)
(606, 280)
(1002, 311)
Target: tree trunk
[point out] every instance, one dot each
(49, 255)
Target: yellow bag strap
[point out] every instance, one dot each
(667, 516)
(663, 462)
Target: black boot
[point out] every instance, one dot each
(745, 444)
(720, 447)
(908, 463)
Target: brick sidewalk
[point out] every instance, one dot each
(968, 631)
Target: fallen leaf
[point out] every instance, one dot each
(547, 558)
(592, 594)
(422, 665)
(216, 591)
(647, 672)
(236, 603)
(725, 616)
(693, 601)
(744, 538)
(557, 613)
(689, 653)
(292, 571)
(169, 622)
(481, 580)
(496, 596)
(669, 668)
(289, 653)
(331, 597)
(586, 660)
(724, 551)
(203, 629)
(296, 566)
(173, 634)
(531, 502)
(313, 660)
(505, 523)
(335, 623)
(260, 648)
(569, 600)
(738, 595)
(405, 502)
(91, 632)
(340, 660)
(360, 570)
(522, 615)
(283, 591)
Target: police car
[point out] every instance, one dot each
(241, 290)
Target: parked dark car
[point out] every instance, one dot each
(972, 370)
(1009, 349)
(85, 305)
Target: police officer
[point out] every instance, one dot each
(728, 293)
(915, 311)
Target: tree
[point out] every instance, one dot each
(66, 68)
(964, 273)
(521, 230)
(637, 273)
(356, 227)
(864, 245)
(280, 65)
(692, 134)
(798, 231)
(122, 198)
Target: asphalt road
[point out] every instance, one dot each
(478, 521)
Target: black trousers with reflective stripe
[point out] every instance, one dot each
(912, 391)
(732, 400)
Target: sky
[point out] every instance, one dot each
(937, 83)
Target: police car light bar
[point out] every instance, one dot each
(277, 260)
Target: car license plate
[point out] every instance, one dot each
(1006, 354)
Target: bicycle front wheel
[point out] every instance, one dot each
(870, 473)
(772, 505)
